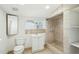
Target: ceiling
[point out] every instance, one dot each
(70, 6)
(75, 9)
(30, 10)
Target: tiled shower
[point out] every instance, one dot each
(55, 32)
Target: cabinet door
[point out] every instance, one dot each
(35, 45)
(28, 42)
(40, 43)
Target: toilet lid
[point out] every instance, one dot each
(19, 48)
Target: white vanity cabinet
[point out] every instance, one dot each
(38, 42)
(28, 41)
(41, 42)
(35, 45)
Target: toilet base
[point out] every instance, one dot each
(18, 50)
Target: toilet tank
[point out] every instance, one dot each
(20, 41)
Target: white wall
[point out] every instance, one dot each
(71, 33)
(3, 37)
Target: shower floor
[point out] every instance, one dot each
(57, 47)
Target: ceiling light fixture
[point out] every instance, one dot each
(0, 39)
(47, 7)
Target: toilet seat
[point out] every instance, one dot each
(19, 49)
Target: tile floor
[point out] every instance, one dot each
(44, 51)
(49, 49)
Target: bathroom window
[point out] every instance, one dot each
(30, 25)
(35, 26)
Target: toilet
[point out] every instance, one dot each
(19, 48)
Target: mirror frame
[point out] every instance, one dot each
(7, 25)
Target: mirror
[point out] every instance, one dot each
(12, 24)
